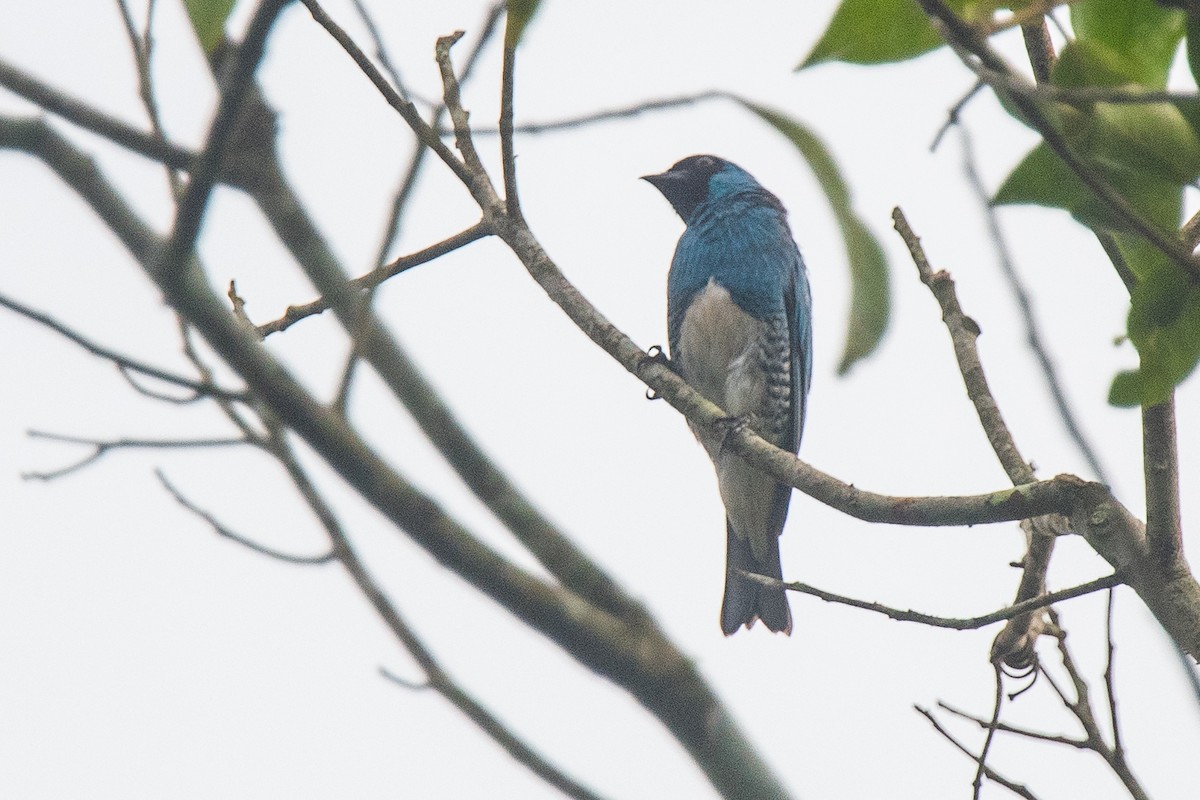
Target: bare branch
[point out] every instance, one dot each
(1081, 707)
(381, 53)
(1016, 788)
(1033, 334)
(1160, 456)
(375, 277)
(123, 362)
(607, 115)
(954, 623)
(1079, 744)
(101, 448)
(1015, 644)
(977, 784)
(226, 533)
(508, 158)
(405, 108)
(236, 81)
(87, 117)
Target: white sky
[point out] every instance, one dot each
(143, 657)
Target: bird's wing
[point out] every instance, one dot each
(799, 312)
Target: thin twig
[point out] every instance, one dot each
(459, 117)
(977, 784)
(142, 46)
(1118, 750)
(954, 623)
(1033, 333)
(437, 677)
(407, 111)
(607, 115)
(1016, 788)
(101, 448)
(229, 534)
(1079, 744)
(1081, 707)
(381, 53)
(375, 277)
(403, 194)
(123, 362)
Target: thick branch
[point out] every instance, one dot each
(1160, 455)
(92, 119)
(236, 82)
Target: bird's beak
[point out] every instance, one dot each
(661, 181)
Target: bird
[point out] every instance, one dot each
(739, 331)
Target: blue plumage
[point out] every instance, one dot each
(739, 325)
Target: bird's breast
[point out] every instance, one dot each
(718, 344)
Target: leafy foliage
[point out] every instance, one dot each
(1147, 151)
(208, 20)
(869, 303)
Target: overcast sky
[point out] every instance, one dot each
(143, 657)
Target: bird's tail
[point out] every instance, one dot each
(745, 600)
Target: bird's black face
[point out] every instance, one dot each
(685, 185)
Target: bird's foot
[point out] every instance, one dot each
(656, 355)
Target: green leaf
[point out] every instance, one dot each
(1152, 138)
(1164, 326)
(520, 12)
(1192, 27)
(874, 32)
(1089, 62)
(1140, 36)
(1044, 179)
(869, 294)
(208, 20)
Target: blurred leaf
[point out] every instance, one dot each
(1153, 138)
(874, 32)
(520, 12)
(869, 300)
(1140, 36)
(1192, 27)
(1044, 179)
(208, 20)
(1164, 326)
(1088, 62)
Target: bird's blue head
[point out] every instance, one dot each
(698, 179)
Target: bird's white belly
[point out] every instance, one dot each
(720, 352)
